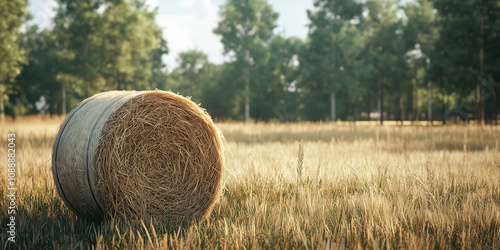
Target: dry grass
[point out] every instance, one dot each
(362, 186)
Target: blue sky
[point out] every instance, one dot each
(188, 24)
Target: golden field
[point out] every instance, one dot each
(359, 186)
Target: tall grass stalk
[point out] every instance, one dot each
(300, 161)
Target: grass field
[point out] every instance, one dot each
(362, 186)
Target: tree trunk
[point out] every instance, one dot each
(369, 108)
(63, 96)
(247, 86)
(381, 105)
(497, 95)
(395, 110)
(247, 100)
(444, 106)
(429, 101)
(333, 115)
(480, 106)
(353, 112)
(479, 90)
(410, 103)
(416, 107)
(399, 109)
(2, 109)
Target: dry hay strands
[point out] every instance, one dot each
(139, 155)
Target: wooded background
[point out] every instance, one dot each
(423, 60)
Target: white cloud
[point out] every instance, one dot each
(293, 18)
(210, 10)
(186, 3)
(152, 4)
(43, 12)
(191, 29)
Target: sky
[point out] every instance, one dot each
(188, 24)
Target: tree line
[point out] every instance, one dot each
(361, 60)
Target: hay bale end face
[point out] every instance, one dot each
(139, 155)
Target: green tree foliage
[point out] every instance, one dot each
(158, 67)
(77, 27)
(386, 49)
(11, 13)
(95, 45)
(40, 70)
(406, 62)
(283, 94)
(467, 51)
(110, 44)
(128, 38)
(330, 55)
(245, 28)
(418, 36)
(193, 74)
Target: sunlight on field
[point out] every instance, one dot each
(362, 185)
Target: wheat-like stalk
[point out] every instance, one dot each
(318, 170)
(355, 172)
(422, 184)
(300, 161)
(465, 142)
(430, 174)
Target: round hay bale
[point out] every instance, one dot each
(139, 155)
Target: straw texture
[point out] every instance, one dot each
(139, 155)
